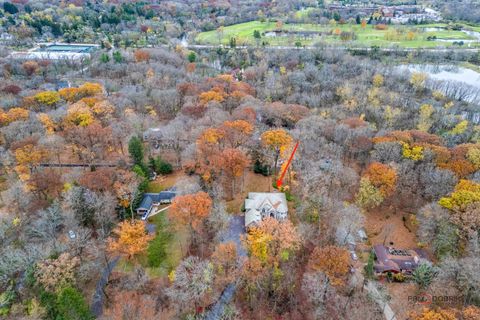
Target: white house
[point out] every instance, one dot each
(260, 205)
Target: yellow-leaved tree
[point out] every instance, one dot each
(277, 140)
(48, 98)
(131, 239)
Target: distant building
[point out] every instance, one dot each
(393, 260)
(387, 12)
(56, 52)
(260, 205)
(151, 200)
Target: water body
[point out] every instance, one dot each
(446, 73)
(473, 34)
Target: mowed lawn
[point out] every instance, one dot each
(368, 36)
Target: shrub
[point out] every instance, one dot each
(399, 277)
(260, 168)
(12, 89)
(161, 166)
(71, 305)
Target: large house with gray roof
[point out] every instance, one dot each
(260, 205)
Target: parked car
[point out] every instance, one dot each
(71, 234)
(353, 255)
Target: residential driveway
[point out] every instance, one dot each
(377, 296)
(98, 296)
(97, 301)
(233, 234)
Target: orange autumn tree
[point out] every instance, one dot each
(224, 259)
(210, 137)
(272, 241)
(68, 94)
(212, 95)
(89, 89)
(277, 140)
(47, 122)
(142, 55)
(333, 261)
(233, 162)
(131, 239)
(14, 114)
(191, 210)
(208, 160)
(471, 313)
(382, 177)
(236, 132)
(430, 314)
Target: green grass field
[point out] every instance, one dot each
(403, 36)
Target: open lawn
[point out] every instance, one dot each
(253, 183)
(163, 182)
(403, 36)
(171, 248)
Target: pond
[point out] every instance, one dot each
(446, 73)
(473, 34)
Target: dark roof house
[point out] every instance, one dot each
(393, 260)
(154, 199)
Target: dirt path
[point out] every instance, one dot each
(383, 226)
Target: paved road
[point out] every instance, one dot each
(233, 233)
(340, 48)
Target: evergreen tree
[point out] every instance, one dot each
(83, 203)
(135, 148)
(10, 8)
(71, 305)
(358, 20)
(104, 58)
(369, 266)
(424, 274)
(192, 57)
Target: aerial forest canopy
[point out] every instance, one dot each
(239, 160)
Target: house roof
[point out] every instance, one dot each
(150, 198)
(397, 260)
(146, 203)
(257, 201)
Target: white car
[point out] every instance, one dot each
(71, 234)
(353, 255)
